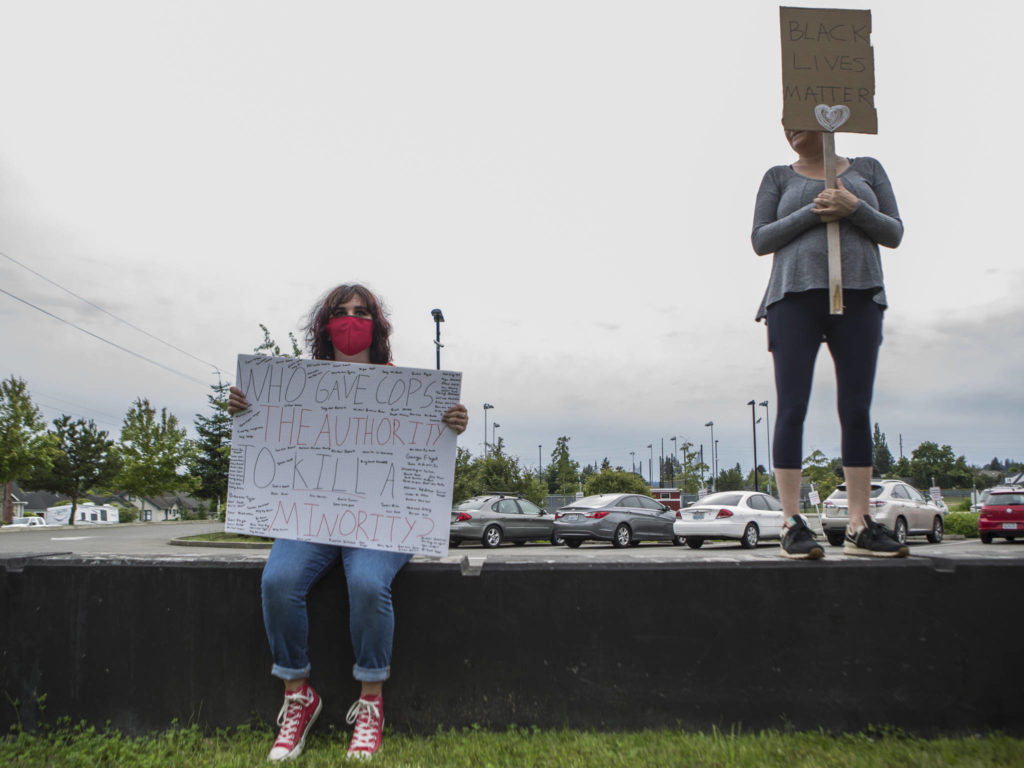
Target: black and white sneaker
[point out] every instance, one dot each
(873, 541)
(798, 542)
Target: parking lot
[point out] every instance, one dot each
(158, 540)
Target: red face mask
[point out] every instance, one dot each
(350, 334)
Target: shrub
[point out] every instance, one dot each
(962, 505)
(127, 513)
(962, 524)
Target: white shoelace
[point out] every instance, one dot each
(365, 716)
(288, 717)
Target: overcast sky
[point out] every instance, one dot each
(572, 183)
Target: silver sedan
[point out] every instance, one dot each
(498, 517)
(624, 519)
(748, 516)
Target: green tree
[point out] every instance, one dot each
(497, 472)
(84, 459)
(693, 469)
(761, 478)
(24, 444)
(615, 481)
(562, 473)
(463, 487)
(930, 461)
(730, 479)
(819, 470)
(211, 454)
(900, 468)
(155, 451)
(270, 347)
(881, 456)
(671, 470)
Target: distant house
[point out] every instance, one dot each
(87, 513)
(152, 509)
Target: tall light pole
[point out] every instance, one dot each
(675, 447)
(632, 459)
(753, 434)
(487, 407)
(540, 464)
(438, 319)
(714, 463)
(650, 465)
(661, 465)
(768, 434)
(702, 465)
(494, 431)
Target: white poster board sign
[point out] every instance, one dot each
(814, 497)
(344, 454)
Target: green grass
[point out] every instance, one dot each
(515, 748)
(229, 537)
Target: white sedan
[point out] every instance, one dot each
(748, 516)
(27, 522)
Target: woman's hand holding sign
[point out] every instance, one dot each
(835, 204)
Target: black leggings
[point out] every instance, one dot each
(796, 327)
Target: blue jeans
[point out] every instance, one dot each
(291, 571)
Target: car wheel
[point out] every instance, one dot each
(935, 537)
(453, 543)
(986, 538)
(835, 538)
(695, 542)
(556, 540)
(623, 536)
(573, 543)
(678, 540)
(899, 530)
(492, 537)
(750, 536)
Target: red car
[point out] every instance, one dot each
(1002, 516)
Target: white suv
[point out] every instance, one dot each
(899, 508)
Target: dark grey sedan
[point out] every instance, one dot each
(498, 517)
(624, 519)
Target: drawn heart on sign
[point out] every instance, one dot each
(831, 118)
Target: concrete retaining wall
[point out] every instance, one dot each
(836, 645)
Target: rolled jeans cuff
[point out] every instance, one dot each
(288, 673)
(364, 675)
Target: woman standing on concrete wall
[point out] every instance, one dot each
(790, 217)
(348, 325)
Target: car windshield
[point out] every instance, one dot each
(840, 492)
(999, 499)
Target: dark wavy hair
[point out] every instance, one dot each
(319, 340)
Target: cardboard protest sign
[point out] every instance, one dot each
(343, 453)
(828, 70)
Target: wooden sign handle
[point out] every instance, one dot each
(835, 262)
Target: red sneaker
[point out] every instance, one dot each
(297, 715)
(367, 719)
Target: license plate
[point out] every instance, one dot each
(572, 517)
(698, 515)
(1009, 526)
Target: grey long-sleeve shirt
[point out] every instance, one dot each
(785, 226)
